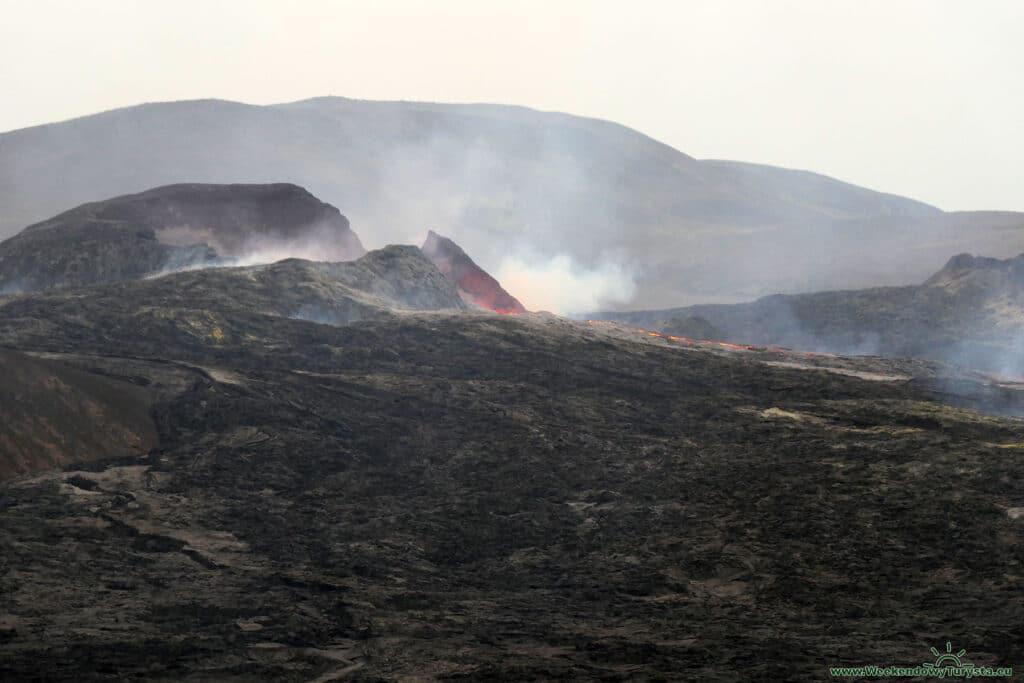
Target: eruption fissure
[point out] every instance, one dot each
(687, 341)
(474, 284)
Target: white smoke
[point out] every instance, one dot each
(272, 253)
(559, 285)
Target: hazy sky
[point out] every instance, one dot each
(920, 98)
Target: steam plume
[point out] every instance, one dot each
(561, 286)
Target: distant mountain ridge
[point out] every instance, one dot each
(503, 181)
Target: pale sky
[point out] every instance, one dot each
(915, 97)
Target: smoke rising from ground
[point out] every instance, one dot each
(260, 252)
(969, 314)
(561, 286)
(502, 181)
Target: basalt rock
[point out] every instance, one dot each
(475, 285)
(970, 313)
(170, 228)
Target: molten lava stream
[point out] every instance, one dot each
(489, 304)
(484, 291)
(687, 340)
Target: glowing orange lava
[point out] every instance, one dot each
(687, 341)
(475, 285)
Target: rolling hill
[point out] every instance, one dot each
(503, 180)
(971, 313)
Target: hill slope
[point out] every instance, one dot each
(971, 312)
(466, 496)
(508, 180)
(51, 415)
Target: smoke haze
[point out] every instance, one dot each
(509, 182)
(561, 286)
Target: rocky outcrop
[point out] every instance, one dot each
(475, 285)
(984, 271)
(170, 228)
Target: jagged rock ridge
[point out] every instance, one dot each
(475, 285)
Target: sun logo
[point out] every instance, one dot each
(948, 659)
